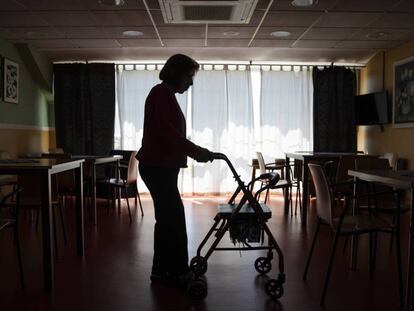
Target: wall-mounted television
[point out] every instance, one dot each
(371, 109)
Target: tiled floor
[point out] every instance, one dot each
(115, 272)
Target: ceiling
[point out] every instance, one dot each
(340, 31)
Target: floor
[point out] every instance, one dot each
(114, 275)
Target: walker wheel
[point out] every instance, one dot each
(262, 265)
(198, 265)
(197, 289)
(274, 289)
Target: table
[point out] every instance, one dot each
(45, 168)
(91, 161)
(305, 157)
(401, 180)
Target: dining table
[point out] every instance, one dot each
(404, 180)
(45, 168)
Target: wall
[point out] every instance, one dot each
(25, 127)
(379, 72)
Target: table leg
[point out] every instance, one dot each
(287, 190)
(410, 269)
(93, 194)
(80, 244)
(47, 231)
(253, 176)
(354, 239)
(305, 191)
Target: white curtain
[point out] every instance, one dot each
(220, 116)
(222, 121)
(286, 113)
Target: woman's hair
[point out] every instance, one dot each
(177, 66)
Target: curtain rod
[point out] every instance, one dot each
(358, 66)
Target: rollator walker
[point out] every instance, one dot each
(246, 223)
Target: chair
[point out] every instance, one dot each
(342, 182)
(346, 225)
(7, 180)
(30, 199)
(12, 222)
(282, 184)
(126, 178)
(392, 159)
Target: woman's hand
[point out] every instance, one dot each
(204, 155)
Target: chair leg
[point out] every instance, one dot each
(328, 271)
(372, 238)
(54, 231)
(398, 250)
(119, 194)
(140, 204)
(62, 219)
(318, 225)
(127, 200)
(266, 196)
(19, 254)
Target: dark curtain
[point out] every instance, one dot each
(84, 107)
(334, 128)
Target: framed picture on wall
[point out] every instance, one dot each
(10, 81)
(403, 98)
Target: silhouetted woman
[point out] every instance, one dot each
(164, 151)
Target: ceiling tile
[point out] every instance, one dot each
(404, 6)
(40, 5)
(82, 32)
(185, 32)
(348, 19)
(116, 32)
(140, 42)
(20, 19)
(319, 44)
(129, 5)
(184, 43)
(123, 18)
(295, 32)
(95, 43)
(328, 33)
(35, 33)
(11, 5)
(365, 5)
(320, 5)
(218, 32)
(290, 19)
(68, 18)
(227, 42)
(272, 43)
(51, 44)
(364, 44)
(395, 20)
(389, 34)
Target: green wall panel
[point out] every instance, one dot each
(34, 107)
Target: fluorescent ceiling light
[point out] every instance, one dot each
(303, 3)
(231, 33)
(280, 34)
(132, 33)
(112, 2)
